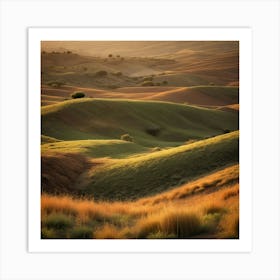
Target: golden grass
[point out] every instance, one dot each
(207, 207)
(208, 214)
(213, 181)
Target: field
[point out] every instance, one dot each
(142, 143)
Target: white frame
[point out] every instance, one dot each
(262, 16)
(243, 35)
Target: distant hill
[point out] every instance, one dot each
(178, 63)
(198, 95)
(140, 48)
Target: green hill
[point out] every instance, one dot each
(95, 148)
(150, 123)
(153, 173)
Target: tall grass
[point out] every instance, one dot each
(66, 217)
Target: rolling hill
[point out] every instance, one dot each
(135, 177)
(196, 95)
(150, 123)
(178, 63)
(151, 151)
(157, 172)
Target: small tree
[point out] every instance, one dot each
(101, 73)
(78, 94)
(154, 131)
(127, 137)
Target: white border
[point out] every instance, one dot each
(243, 35)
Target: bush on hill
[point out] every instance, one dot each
(154, 131)
(127, 137)
(101, 73)
(77, 94)
(226, 130)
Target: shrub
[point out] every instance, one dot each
(211, 84)
(157, 84)
(147, 84)
(226, 131)
(110, 55)
(78, 94)
(154, 131)
(164, 82)
(211, 222)
(127, 137)
(101, 73)
(81, 233)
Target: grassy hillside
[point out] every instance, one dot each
(151, 124)
(95, 148)
(157, 172)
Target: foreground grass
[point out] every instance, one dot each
(200, 215)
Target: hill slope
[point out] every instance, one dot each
(94, 148)
(150, 123)
(157, 172)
